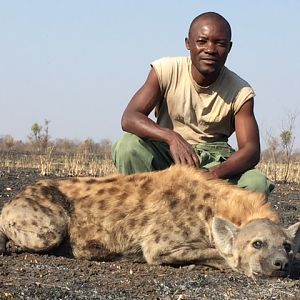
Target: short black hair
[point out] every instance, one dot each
(213, 15)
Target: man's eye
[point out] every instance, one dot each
(257, 244)
(201, 41)
(222, 44)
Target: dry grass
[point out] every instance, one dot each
(78, 164)
(281, 172)
(89, 164)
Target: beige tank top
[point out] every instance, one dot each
(198, 114)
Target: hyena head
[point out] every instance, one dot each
(258, 248)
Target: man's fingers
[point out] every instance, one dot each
(196, 161)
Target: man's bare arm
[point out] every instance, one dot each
(248, 153)
(135, 120)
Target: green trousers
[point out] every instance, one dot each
(132, 154)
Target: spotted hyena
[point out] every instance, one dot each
(175, 216)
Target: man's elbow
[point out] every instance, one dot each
(124, 123)
(256, 157)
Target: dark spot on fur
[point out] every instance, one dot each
(193, 223)
(53, 194)
(144, 220)
(141, 206)
(200, 207)
(165, 238)
(208, 213)
(74, 180)
(173, 203)
(131, 223)
(23, 223)
(194, 183)
(108, 180)
(131, 178)
(45, 210)
(121, 216)
(169, 194)
(193, 197)
(146, 184)
(206, 196)
(112, 190)
(123, 195)
(100, 192)
(170, 227)
(47, 237)
(102, 205)
(34, 223)
(157, 239)
(189, 218)
(91, 181)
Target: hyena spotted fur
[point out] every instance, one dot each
(175, 216)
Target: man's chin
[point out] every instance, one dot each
(209, 71)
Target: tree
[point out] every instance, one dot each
(39, 137)
(287, 142)
(36, 131)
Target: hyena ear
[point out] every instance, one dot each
(294, 232)
(224, 232)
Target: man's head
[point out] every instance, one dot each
(209, 42)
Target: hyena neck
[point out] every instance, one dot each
(241, 206)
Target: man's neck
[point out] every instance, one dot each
(203, 80)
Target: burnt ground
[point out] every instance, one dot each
(32, 276)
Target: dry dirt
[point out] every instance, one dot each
(32, 276)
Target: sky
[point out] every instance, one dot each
(78, 63)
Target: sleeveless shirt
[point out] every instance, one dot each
(198, 114)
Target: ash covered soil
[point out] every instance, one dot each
(33, 276)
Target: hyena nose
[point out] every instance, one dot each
(280, 263)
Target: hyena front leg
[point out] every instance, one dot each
(181, 254)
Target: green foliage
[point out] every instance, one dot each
(36, 131)
(39, 136)
(286, 138)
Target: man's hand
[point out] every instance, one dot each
(182, 152)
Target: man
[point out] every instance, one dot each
(199, 103)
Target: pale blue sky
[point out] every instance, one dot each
(78, 63)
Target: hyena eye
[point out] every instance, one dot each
(287, 246)
(257, 244)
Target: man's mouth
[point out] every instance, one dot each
(209, 60)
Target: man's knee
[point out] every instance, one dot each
(130, 155)
(126, 148)
(254, 180)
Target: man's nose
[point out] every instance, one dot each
(210, 47)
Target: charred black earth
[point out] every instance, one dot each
(32, 276)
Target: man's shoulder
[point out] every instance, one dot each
(233, 79)
(171, 61)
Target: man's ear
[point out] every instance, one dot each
(223, 232)
(187, 43)
(230, 46)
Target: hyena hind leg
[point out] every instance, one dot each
(32, 226)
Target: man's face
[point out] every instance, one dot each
(209, 44)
